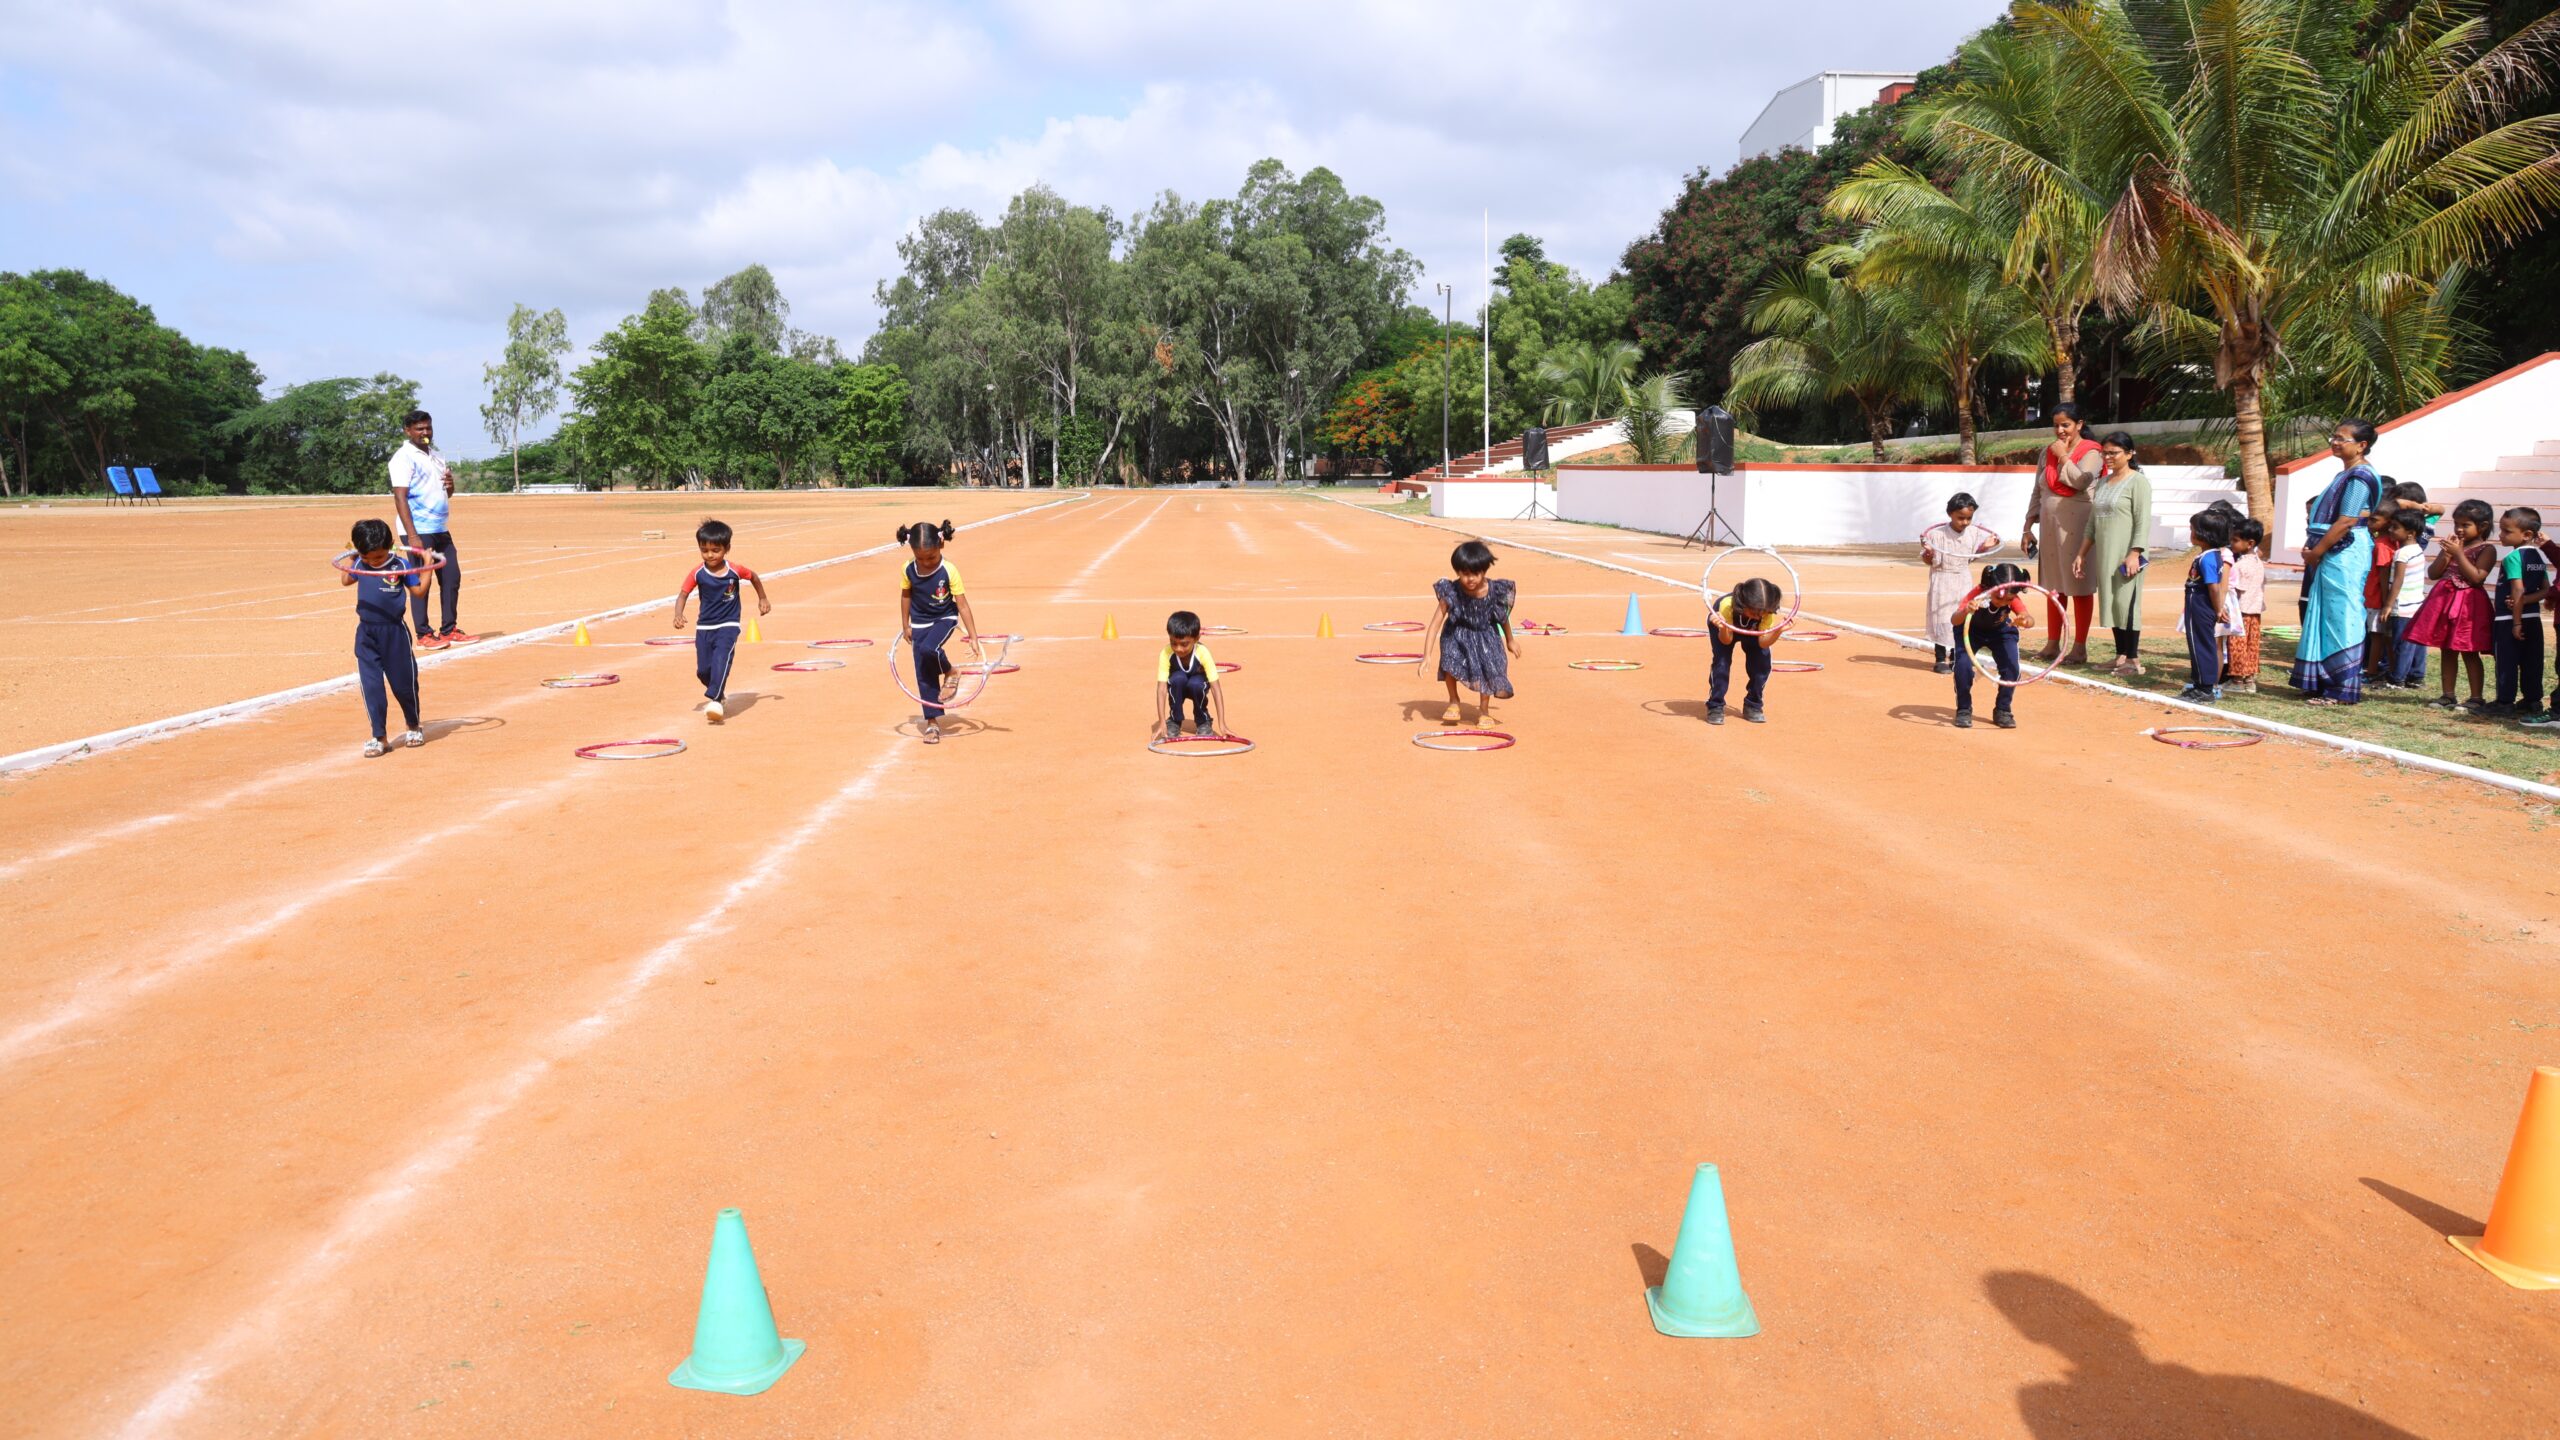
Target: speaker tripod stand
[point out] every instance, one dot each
(1706, 532)
(1534, 510)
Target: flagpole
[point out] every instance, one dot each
(1488, 339)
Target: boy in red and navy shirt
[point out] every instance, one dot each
(715, 635)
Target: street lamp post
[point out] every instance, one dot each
(1445, 301)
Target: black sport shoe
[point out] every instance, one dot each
(1946, 667)
(2004, 719)
(1755, 715)
(1964, 719)
(1715, 714)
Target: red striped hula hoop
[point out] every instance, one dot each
(798, 667)
(344, 564)
(650, 749)
(1795, 588)
(1426, 738)
(668, 640)
(1406, 626)
(1604, 665)
(1221, 629)
(581, 682)
(1955, 631)
(1182, 745)
(1228, 667)
(956, 702)
(838, 644)
(1389, 657)
(2228, 737)
(1681, 632)
(1539, 627)
(1795, 667)
(1810, 635)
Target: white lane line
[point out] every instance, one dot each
(1328, 537)
(1075, 587)
(102, 995)
(142, 825)
(1244, 540)
(381, 1205)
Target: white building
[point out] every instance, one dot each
(1802, 114)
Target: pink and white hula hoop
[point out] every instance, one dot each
(344, 564)
(1389, 657)
(581, 682)
(1795, 589)
(957, 701)
(1405, 626)
(803, 666)
(838, 644)
(1195, 747)
(1428, 740)
(2222, 737)
(1956, 632)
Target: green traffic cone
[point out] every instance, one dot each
(1635, 617)
(1700, 1296)
(736, 1349)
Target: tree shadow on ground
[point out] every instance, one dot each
(2114, 1389)
(2426, 1212)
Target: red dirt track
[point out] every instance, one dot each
(2064, 1084)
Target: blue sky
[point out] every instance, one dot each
(342, 188)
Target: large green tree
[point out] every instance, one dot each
(640, 394)
(89, 378)
(325, 435)
(524, 386)
(1539, 306)
(1828, 340)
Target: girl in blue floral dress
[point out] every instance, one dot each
(1476, 638)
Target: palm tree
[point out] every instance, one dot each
(2254, 160)
(1646, 405)
(1827, 341)
(1959, 315)
(1582, 381)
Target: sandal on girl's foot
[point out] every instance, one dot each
(1454, 714)
(932, 733)
(375, 749)
(2443, 702)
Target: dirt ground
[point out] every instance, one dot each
(2064, 1084)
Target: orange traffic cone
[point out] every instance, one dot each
(1324, 627)
(2522, 1246)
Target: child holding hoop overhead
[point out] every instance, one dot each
(1989, 624)
(715, 635)
(1476, 642)
(932, 604)
(385, 579)
(1185, 670)
(1753, 605)
(1949, 551)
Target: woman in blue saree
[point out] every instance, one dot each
(2337, 555)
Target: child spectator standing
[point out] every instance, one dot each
(2515, 613)
(2207, 587)
(1949, 551)
(2380, 590)
(715, 637)
(2550, 716)
(2407, 526)
(2454, 618)
(2249, 594)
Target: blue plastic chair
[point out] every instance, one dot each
(122, 483)
(147, 482)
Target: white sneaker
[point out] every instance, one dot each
(414, 739)
(374, 749)
(717, 711)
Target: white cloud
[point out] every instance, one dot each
(323, 182)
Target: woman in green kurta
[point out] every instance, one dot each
(2119, 523)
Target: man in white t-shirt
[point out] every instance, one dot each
(422, 492)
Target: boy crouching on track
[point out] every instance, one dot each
(715, 636)
(1185, 671)
(384, 581)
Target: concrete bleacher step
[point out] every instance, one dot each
(2529, 464)
(2546, 447)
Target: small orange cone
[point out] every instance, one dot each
(2522, 1246)
(581, 637)
(1110, 628)
(1324, 627)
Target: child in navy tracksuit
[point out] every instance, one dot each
(932, 605)
(1986, 627)
(383, 657)
(1186, 671)
(715, 635)
(2202, 603)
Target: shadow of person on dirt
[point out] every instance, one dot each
(1923, 714)
(954, 727)
(436, 730)
(1898, 662)
(742, 701)
(1677, 709)
(2426, 1212)
(2114, 1389)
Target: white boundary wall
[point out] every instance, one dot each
(1817, 506)
(2466, 432)
(1488, 499)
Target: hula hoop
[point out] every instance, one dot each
(1992, 673)
(1610, 665)
(1536, 627)
(1795, 667)
(1811, 635)
(1228, 667)
(1221, 629)
(1425, 739)
(838, 644)
(999, 639)
(580, 682)
(649, 749)
(1683, 632)
(2234, 738)
(1181, 745)
(668, 640)
(1996, 541)
(802, 666)
(985, 667)
(957, 701)
(1795, 588)
(1406, 626)
(1390, 657)
(342, 566)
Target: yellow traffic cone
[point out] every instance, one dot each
(1324, 627)
(1110, 628)
(754, 635)
(581, 637)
